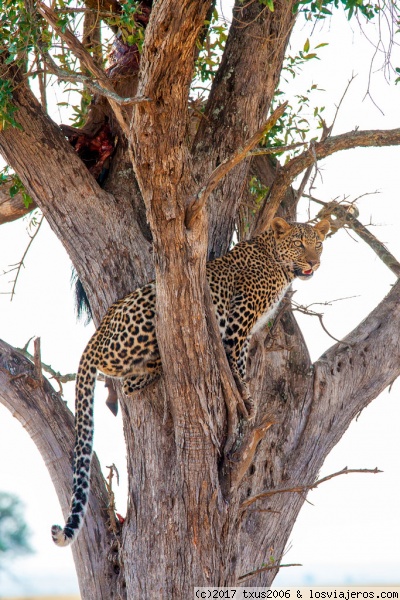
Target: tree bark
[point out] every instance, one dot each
(50, 424)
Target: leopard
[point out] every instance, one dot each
(247, 286)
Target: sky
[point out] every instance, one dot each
(349, 531)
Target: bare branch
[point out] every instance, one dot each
(59, 377)
(92, 85)
(319, 150)
(305, 310)
(345, 218)
(352, 78)
(20, 264)
(304, 488)
(251, 574)
(80, 52)
(196, 205)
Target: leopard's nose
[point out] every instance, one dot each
(313, 262)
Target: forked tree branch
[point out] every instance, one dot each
(81, 53)
(345, 217)
(286, 175)
(196, 205)
(97, 88)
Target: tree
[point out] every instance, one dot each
(13, 529)
(141, 172)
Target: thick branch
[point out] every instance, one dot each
(239, 102)
(50, 425)
(84, 217)
(287, 174)
(347, 378)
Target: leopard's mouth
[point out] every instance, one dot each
(304, 273)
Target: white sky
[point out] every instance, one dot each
(351, 532)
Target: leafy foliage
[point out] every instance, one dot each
(16, 185)
(13, 529)
(210, 51)
(7, 109)
(132, 31)
(320, 9)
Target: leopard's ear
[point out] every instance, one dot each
(280, 227)
(322, 228)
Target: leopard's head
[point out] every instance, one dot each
(300, 245)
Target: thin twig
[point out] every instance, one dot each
(304, 488)
(305, 310)
(342, 98)
(81, 53)
(276, 149)
(247, 576)
(21, 262)
(49, 369)
(345, 217)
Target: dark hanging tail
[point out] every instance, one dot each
(84, 397)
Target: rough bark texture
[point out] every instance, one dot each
(186, 523)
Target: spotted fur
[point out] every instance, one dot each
(247, 285)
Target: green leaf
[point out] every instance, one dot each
(306, 46)
(13, 191)
(26, 199)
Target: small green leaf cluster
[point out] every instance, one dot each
(7, 108)
(80, 112)
(320, 9)
(211, 49)
(258, 190)
(6, 176)
(294, 126)
(20, 30)
(132, 31)
(268, 3)
(294, 63)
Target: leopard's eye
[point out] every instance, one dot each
(298, 243)
(318, 245)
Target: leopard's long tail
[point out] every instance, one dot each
(84, 400)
